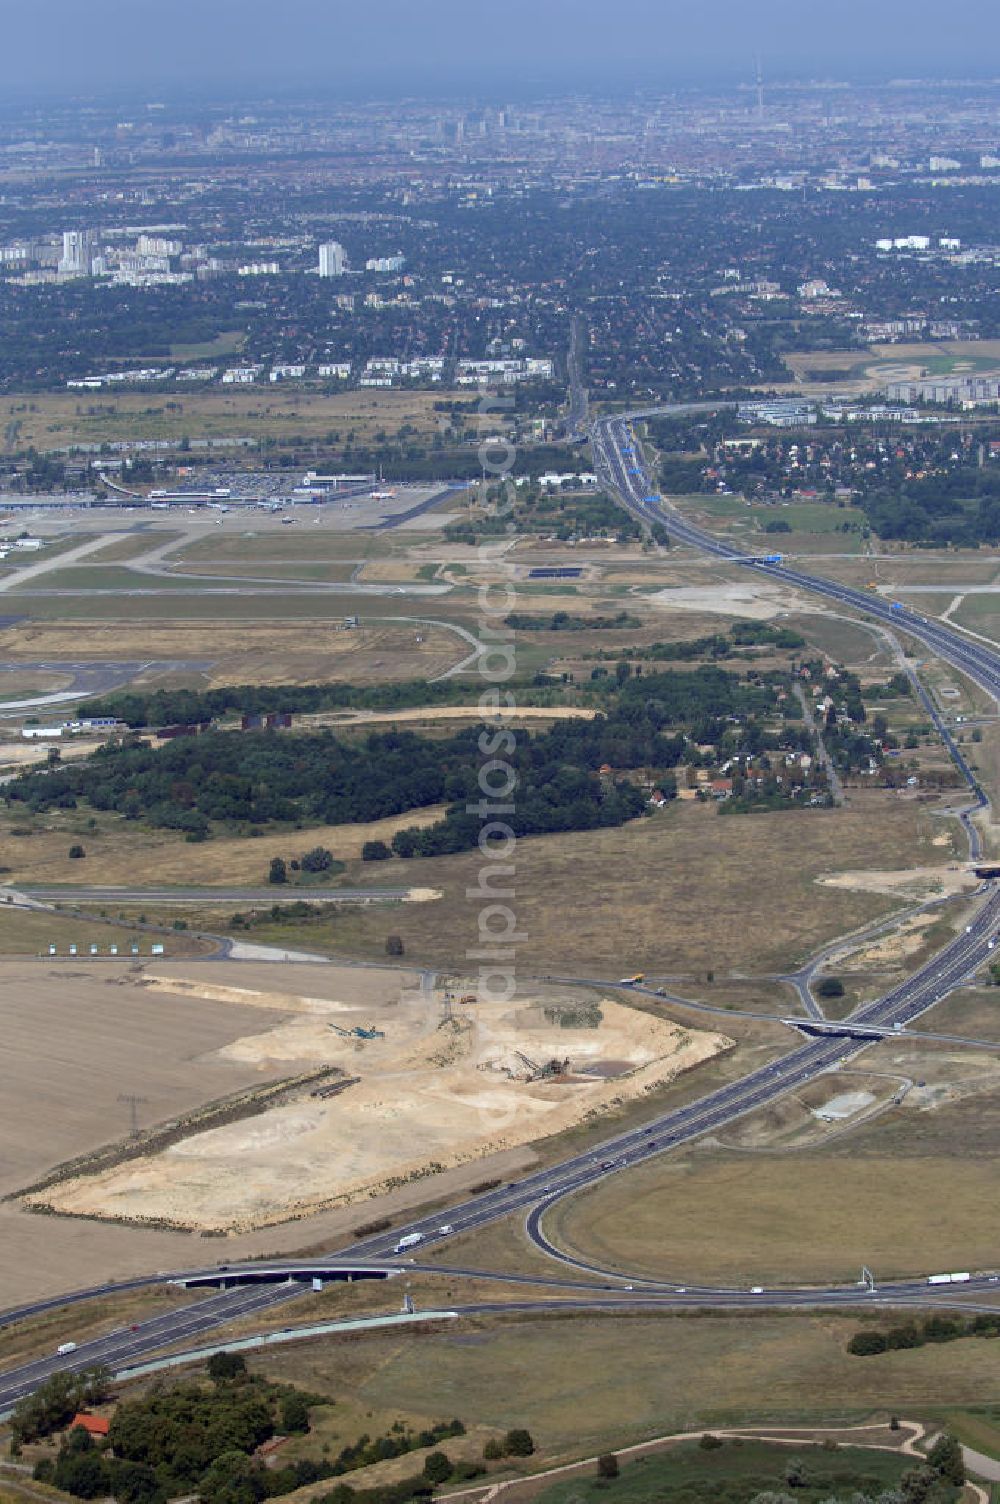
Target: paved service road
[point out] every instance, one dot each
(70, 895)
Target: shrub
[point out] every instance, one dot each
(945, 1457)
(710, 1443)
(518, 1443)
(864, 1344)
(294, 1413)
(830, 987)
(77, 851)
(437, 1467)
(375, 851)
(607, 1466)
(317, 860)
(225, 1365)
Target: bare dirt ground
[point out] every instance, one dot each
(461, 713)
(430, 1092)
(23, 754)
(747, 600)
(918, 882)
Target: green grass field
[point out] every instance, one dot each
(732, 1474)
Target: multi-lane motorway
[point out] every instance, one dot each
(619, 462)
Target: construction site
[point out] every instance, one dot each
(369, 1087)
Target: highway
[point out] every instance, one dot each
(618, 461)
(620, 465)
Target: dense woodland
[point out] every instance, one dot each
(194, 1438)
(255, 779)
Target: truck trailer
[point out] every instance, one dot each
(410, 1241)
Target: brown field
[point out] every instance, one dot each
(795, 1217)
(817, 1214)
(255, 652)
(50, 420)
(30, 932)
(683, 892)
(584, 1383)
(76, 1033)
(919, 567)
(119, 852)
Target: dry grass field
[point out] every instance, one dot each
(119, 852)
(30, 932)
(908, 1192)
(684, 892)
(584, 1383)
(214, 606)
(51, 420)
(787, 1218)
(261, 651)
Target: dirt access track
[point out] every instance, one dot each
(437, 1085)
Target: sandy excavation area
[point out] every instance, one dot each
(442, 1083)
(759, 602)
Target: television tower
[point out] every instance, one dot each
(759, 71)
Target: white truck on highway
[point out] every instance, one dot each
(65, 1347)
(410, 1241)
(948, 1279)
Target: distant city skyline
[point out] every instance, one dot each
(127, 46)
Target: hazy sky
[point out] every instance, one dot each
(501, 47)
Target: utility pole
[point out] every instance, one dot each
(134, 1103)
